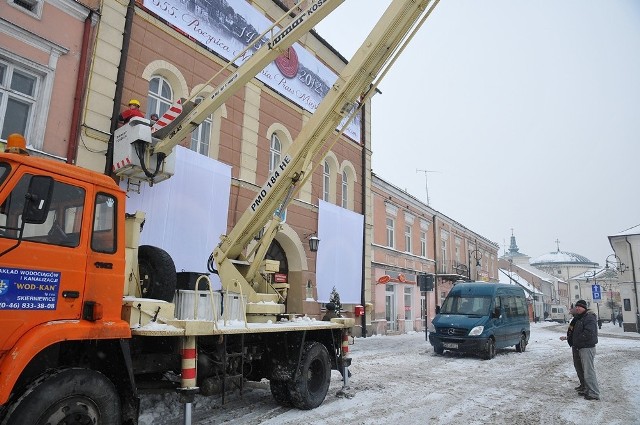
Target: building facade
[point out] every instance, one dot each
(43, 72)
(159, 52)
(412, 239)
(626, 246)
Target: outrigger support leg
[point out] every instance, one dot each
(189, 389)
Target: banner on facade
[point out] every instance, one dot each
(339, 257)
(228, 27)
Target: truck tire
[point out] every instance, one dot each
(69, 396)
(280, 392)
(522, 345)
(158, 278)
(311, 383)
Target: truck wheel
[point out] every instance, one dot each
(490, 351)
(280, 392)
(158, 278)
(309, 388)
(522, 345)
(67, 397)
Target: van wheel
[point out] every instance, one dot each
(158, 278)
(522, 345)
(438, 349)
(490, 351)
(70, 396)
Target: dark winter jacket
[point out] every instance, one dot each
(329, 315)
(585, 331)
(572, 324)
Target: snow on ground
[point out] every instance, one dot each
(399, 380)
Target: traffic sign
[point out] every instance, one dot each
(596, 292)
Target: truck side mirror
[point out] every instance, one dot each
(37, 200)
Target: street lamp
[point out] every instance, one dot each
(314, 241)
(618, 266)
(478, 256)
(615, 264)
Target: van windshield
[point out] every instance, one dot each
(466, 305)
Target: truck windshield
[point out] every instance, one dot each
(466, 305)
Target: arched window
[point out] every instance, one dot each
(201, 136)
(326, 181)
(345, 190)
(274, 152)
(160, 96)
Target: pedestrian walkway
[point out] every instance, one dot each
(608, 330)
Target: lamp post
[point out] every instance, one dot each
(614, 263)
(478, 256)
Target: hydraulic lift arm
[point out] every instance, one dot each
(151, 149)
(355, 84)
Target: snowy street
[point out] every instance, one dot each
(399, 380)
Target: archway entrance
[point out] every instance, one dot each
(275, 252)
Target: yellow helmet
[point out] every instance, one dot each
(134, 102)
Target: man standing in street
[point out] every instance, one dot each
(582, 336)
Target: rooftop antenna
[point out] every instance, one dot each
(558, 244)
(426, 181)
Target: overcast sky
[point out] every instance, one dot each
(527, 112)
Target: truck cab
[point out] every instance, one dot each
(64, 265)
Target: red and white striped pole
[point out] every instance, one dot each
(189, 370)
(189, 374)
(345, 356)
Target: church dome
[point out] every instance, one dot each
(561, 257)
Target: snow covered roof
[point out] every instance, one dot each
(560, 257)
(605, 273)
(635, 230)
(541, 274)
(513, 278)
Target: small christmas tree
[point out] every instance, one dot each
(335, 299)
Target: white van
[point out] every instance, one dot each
(559, 314)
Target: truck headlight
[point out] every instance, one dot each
(476, 331)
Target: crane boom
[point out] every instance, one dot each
(388, 38)
(137, 162)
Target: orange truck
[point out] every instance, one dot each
(90, 320)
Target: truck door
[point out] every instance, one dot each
(105, 262)
(43, 277)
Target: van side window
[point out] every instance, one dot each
(509, 304)
(514, 306)
(521, 307)
(64, 220)
(103, 236)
